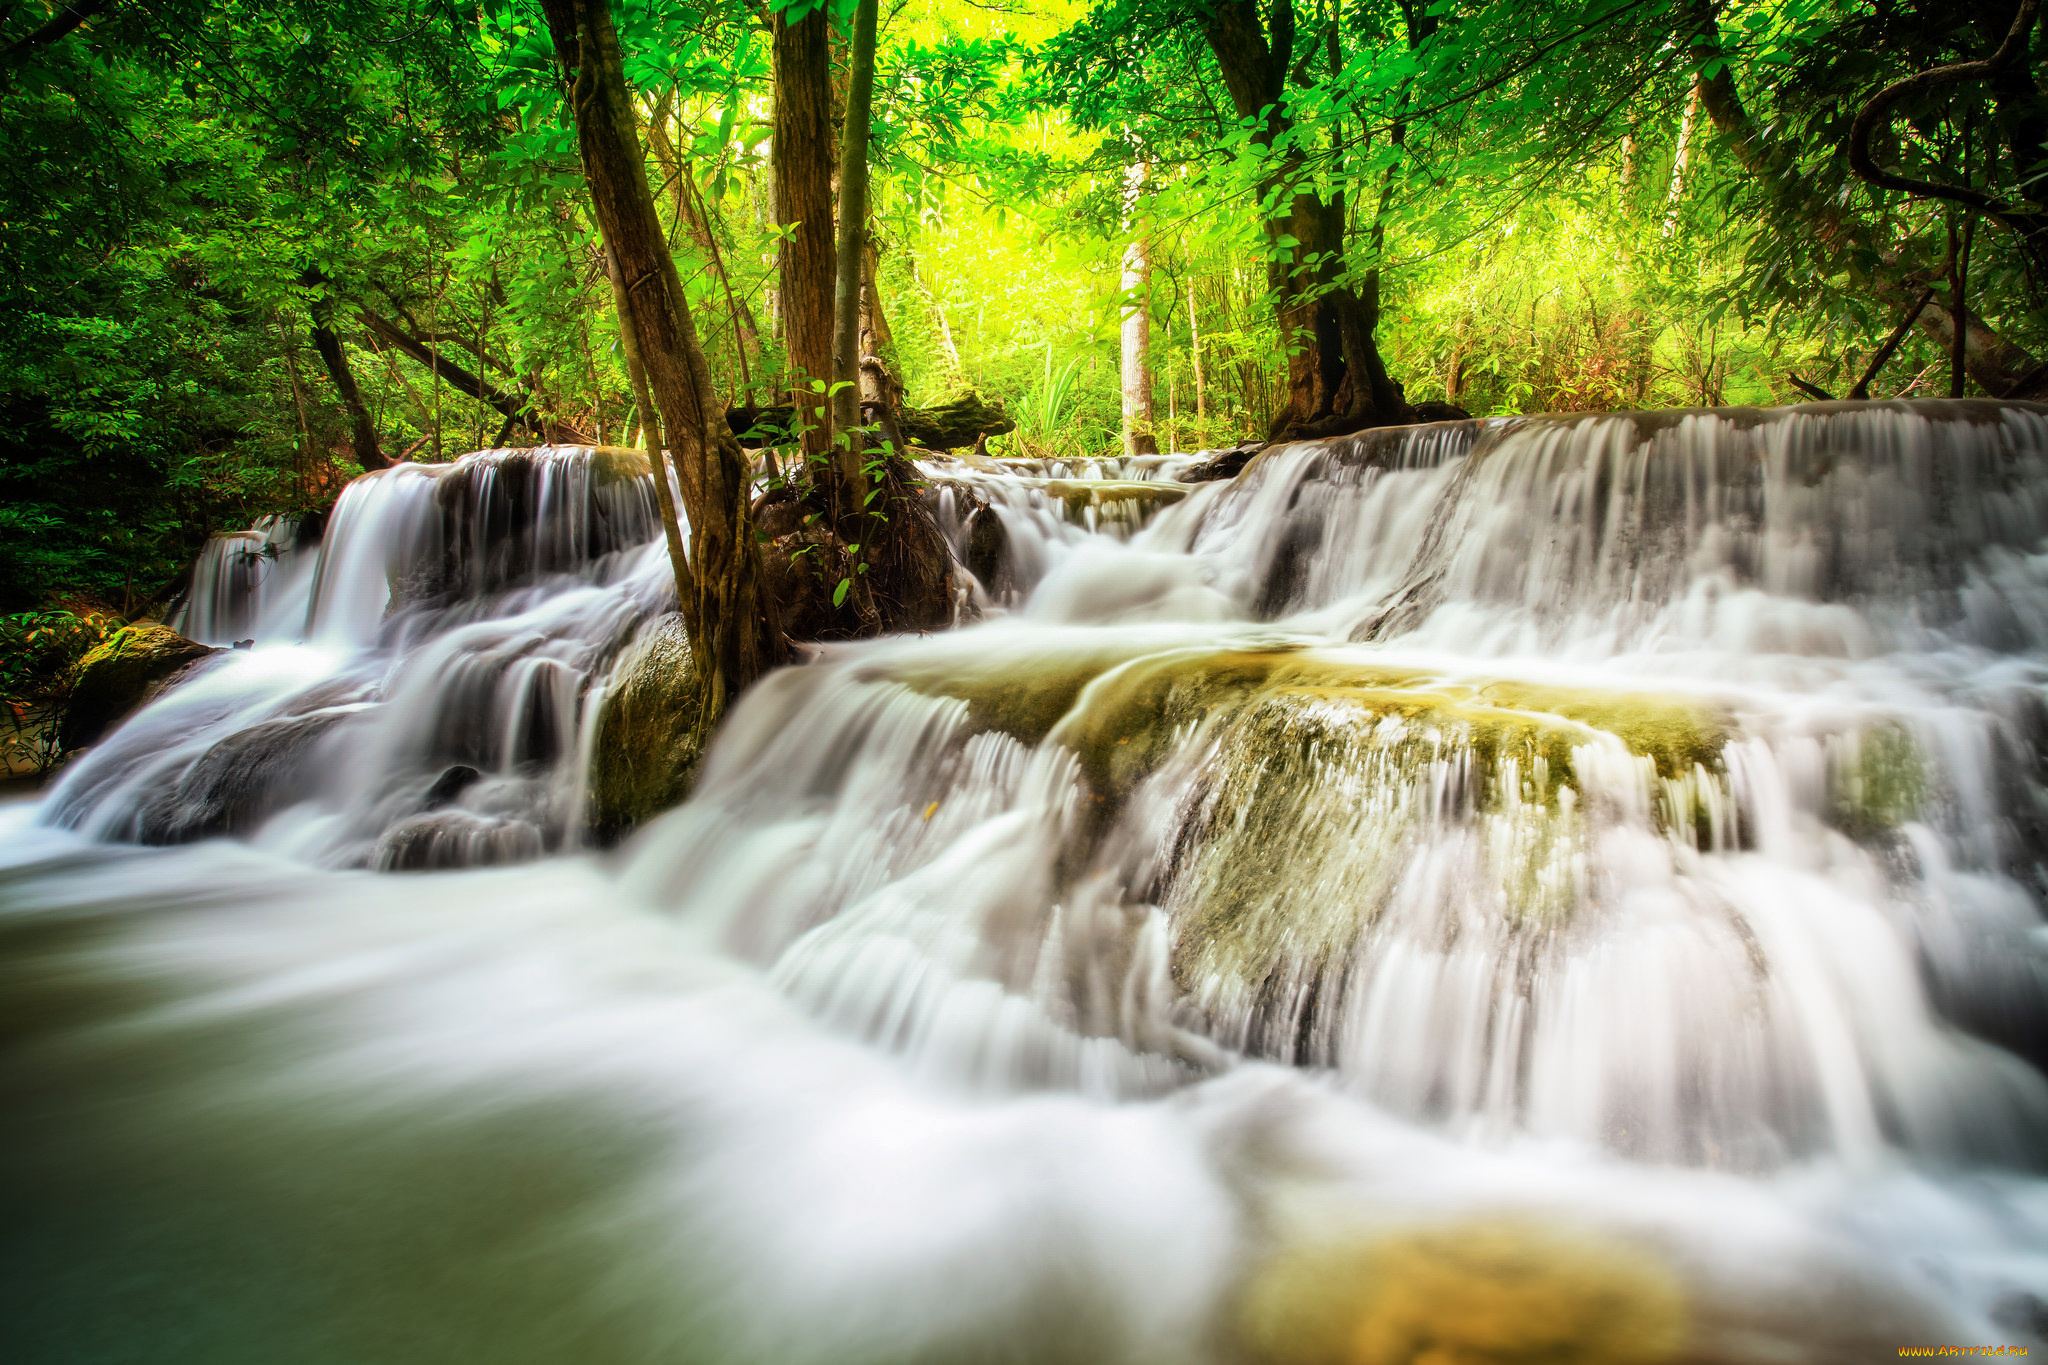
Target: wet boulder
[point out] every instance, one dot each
(122, 672)
(240, 782)
(1222, 464)
(645, 752)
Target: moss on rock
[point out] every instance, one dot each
(611, 464)
(1492, 1292)
(119, 674)
(645, 752)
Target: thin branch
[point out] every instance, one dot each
(1877, 112)
(67, 18)
(1891, 344)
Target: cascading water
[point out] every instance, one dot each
(250, 583)
(1587, 870)
(426, 707)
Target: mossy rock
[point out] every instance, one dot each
(1132, 500)
(1023, 696)
(1878, 780)
(613, 464)
(1125, 725)
(645, 752)
(1484, 1292)
(118, 675)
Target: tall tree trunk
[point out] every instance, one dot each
(1336, 379)
(803, 158)
(881, 389)
(1195, 357)
(650, 429)
(363, 432)
(1679, 156)
(853, 228)
(701, 222)
(1136, 283)
(734, 634)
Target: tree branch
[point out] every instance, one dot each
(67, 18)
(1877, 112)
(1891, 343)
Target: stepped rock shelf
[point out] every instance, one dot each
(1587, 862)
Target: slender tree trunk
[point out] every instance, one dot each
(1678, 157)
(853, 224)
(802, 155)
(701, 222)
(880, 386)
(1959, 315)
(650, 429)
(1136, 284)
(363, 431)
(1336, 379)
(734, 635)
(1195, 357)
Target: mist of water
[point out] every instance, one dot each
(1629, 825)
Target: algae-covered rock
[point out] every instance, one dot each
(646, 748)
(1878, 780)
(121, 673)
(611, 464)
(1476, 1293)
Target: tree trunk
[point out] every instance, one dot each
(802, 155)
(1136, 284)
(650, 430)
(1336, 379)
(1195, 357)
(853, 225)
(734, 634)
(362, 430)
(1678, 157)
(881, 389)
(701, 222)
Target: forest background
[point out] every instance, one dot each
(217, 218)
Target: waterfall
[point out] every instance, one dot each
(428, 706)
(1635, 824)
(250, 584)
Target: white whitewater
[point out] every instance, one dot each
(1594, 860)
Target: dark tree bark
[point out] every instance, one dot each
(363, 432)
(734, 632)
(1335, 377)
(1879, 110)
(67, 18)
(803, 162)
(650, 426)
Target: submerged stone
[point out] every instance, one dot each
(119, 674)
(240, 782)
(645, 752)
(1478, 1293)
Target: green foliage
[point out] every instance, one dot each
(39, 651)
(191, 187)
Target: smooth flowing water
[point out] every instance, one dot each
(1548, 889)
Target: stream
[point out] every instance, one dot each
(1525, 889)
